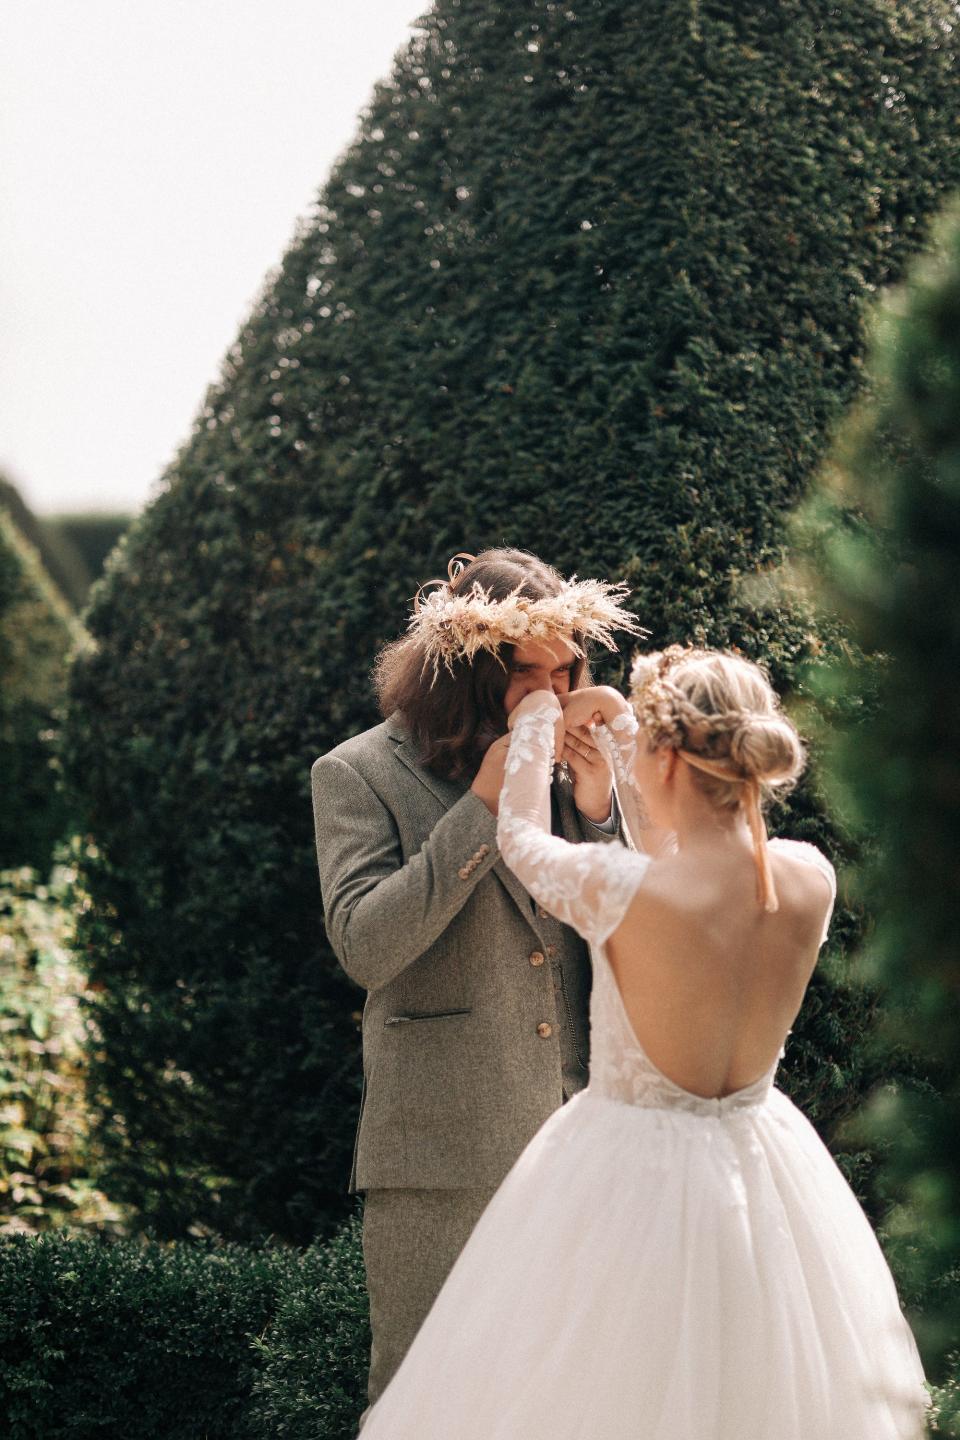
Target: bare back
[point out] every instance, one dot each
(710, 983)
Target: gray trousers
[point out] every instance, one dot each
(410, 1240)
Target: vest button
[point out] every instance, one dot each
(544, 1030)
(541, 912)
(536, 957)
(551, 951)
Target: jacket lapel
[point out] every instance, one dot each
(448, 792)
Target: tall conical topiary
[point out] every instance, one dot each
(884, 528)
(588, 281)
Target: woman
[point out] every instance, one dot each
(675, 1256)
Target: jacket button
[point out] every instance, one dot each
(536, 957)
(464, 873)
(484, 850)
(544, 1030)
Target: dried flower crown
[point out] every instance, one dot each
(456, 625)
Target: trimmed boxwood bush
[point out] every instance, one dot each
(59, 555)
(92, 534)
(588, 281)
(883, 531)
(316, 1353)
(180, 1340)
(128, 1339)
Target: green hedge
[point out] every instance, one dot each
(883, 532)
(588, 281)
(316, 1353)
(37, 633)
(48, 1167)
(60, 558)
(107, 1340)
(92, 535)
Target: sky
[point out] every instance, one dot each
(154, 158)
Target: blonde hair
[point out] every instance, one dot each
(723, 717)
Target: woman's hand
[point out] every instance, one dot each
(593, 705)
(532, 703)
(541, 702)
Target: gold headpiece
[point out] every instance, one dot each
(455, 625)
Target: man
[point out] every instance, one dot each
(475, 1027)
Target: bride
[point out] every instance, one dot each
(675, 1255)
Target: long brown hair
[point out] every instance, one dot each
(454, 719)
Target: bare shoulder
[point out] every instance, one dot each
(806, 884)
(679, 886)
(812, 869)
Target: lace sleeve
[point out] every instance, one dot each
(618, 741)
(588, 886)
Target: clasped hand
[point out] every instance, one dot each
(577, 714)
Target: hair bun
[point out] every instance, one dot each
(767, 747)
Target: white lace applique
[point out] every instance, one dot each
(618, 741)
(588, 886)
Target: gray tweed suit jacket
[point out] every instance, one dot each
(422, 912)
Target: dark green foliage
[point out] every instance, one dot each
(947, 1401)
(59, 556)
(883, 531)
(587, 282)
(172, 1342)
(92, 535)
(37, 633)
(316, 1352)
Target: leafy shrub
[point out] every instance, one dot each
(47, 1163)
(171, 1341)
(946, 1398)
(92, 534)
(883, 533)
(316, 1352)
(588, 281)
(59, 557)
(37, 633)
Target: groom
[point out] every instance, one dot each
(475, 1025)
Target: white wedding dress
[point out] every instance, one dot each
(656, 1265)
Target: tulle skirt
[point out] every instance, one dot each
(651, 1274)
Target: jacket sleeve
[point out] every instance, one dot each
(382, 913)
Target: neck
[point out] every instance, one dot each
(704, 827)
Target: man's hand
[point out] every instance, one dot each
(592, 780)
(488, 781)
